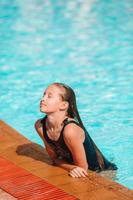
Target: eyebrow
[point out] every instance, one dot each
(48, 92)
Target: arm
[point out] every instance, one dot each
(51, 152)
(39, 129)
(61, 163)
(74, 137)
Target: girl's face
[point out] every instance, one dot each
(51, 100)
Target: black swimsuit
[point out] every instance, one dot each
(96, 160)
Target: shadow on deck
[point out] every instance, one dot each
(32, 158)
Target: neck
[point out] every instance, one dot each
(55, 120)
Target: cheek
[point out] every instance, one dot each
(54, 102)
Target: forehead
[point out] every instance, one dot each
(54, 89)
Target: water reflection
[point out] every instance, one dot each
(86, 44)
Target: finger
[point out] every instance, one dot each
(78, 172)
(70, 174)
(83, 172)
(75, 173)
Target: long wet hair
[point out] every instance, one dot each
(95, 158)
(70, 97)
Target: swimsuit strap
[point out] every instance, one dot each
(65, 122)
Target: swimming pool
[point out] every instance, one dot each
(86, 44)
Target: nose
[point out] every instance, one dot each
(42, 98)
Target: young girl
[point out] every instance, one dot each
(64, 135)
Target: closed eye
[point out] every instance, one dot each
(49, 95)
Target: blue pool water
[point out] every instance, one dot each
(86, 44)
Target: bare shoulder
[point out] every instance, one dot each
(72, 131)
(38, 124)
(38, 127)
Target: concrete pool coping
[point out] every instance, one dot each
(33, 158)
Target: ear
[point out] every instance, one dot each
(64, 105)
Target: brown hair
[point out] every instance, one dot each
(69, 96)
(95, 158)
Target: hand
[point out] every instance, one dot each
(78, 172)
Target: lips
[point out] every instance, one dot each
(42, 104)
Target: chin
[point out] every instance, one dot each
(42, 110)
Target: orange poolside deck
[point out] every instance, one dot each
(24, 160)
